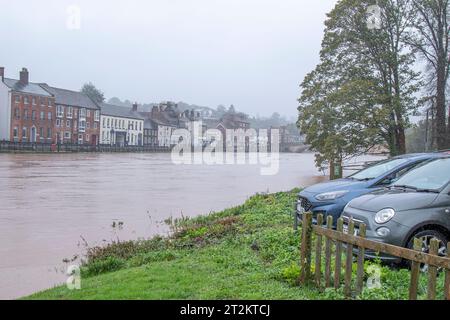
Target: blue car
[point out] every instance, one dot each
(330, 198)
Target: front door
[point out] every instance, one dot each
(33, 135)
(94, 140)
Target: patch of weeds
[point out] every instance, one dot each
(291, 274)
(146, 258)
(103, 266)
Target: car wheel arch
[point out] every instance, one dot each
(435, 226)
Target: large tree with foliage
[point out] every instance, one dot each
(92, 92)
(363, 90)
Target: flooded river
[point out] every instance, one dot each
(52, 204)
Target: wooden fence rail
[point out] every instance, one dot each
(340, 239)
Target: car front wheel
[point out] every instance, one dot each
(426, 236)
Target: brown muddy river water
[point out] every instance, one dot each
(52, 204)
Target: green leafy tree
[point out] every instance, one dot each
(364, 89)
(92, 92)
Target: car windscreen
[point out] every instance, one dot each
(378, 169)
(433, 175)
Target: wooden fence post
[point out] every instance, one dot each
(328, 244)
(349, 262)
(447, 277)
(415, 272)
(306, 246)
(338, 262)
(432, 270)
(318, 265)
(360, 269)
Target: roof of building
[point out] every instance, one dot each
(30, 88)
(120, 112)
(150, 124)
(71, 98)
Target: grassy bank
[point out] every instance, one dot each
(248, 252)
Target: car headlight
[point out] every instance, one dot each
(331, 195)
(384, 215)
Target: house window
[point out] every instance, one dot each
(49, 133)
(49, 116)
(17, 113)
(69, 112)
(67, 135)
(87, 137)
(25, 114)
(104, 122)
(17, 99)
(33, 115)
(24, 132)
(42, 115)
(82, 113)
(88, 125)
(58, 122)
(95, 125)
(108, 123)
(33, 101)
(41, 132)
(50, 103)
(26, 100)
(97, 116)
(42, 101)
(16, 132)
(68, 123)
(59, 111)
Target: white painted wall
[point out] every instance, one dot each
(5, 112)
(133, 135)
(165, 135)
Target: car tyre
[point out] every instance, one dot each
(426, 236)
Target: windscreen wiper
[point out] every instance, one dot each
(427, 190)
(405, 187)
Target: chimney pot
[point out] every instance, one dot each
(135, 107)
(2, 73)
(24, 76)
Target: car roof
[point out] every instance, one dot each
(420, 156)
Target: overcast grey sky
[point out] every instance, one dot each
(250, 53)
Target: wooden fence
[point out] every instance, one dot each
(346, 242)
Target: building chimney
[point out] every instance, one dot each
(24, 76)
(2, 73)
(135, 107)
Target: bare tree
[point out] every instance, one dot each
(431, 39)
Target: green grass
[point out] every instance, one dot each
(248, 252)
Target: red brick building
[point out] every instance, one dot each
(77, 118)
(27, 111)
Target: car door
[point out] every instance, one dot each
(443, 206)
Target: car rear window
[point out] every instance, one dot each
(378, 169)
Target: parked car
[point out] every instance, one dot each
(330, 198)
(416, 205)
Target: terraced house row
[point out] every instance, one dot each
(39, 113)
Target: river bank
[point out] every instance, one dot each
(247, 252)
